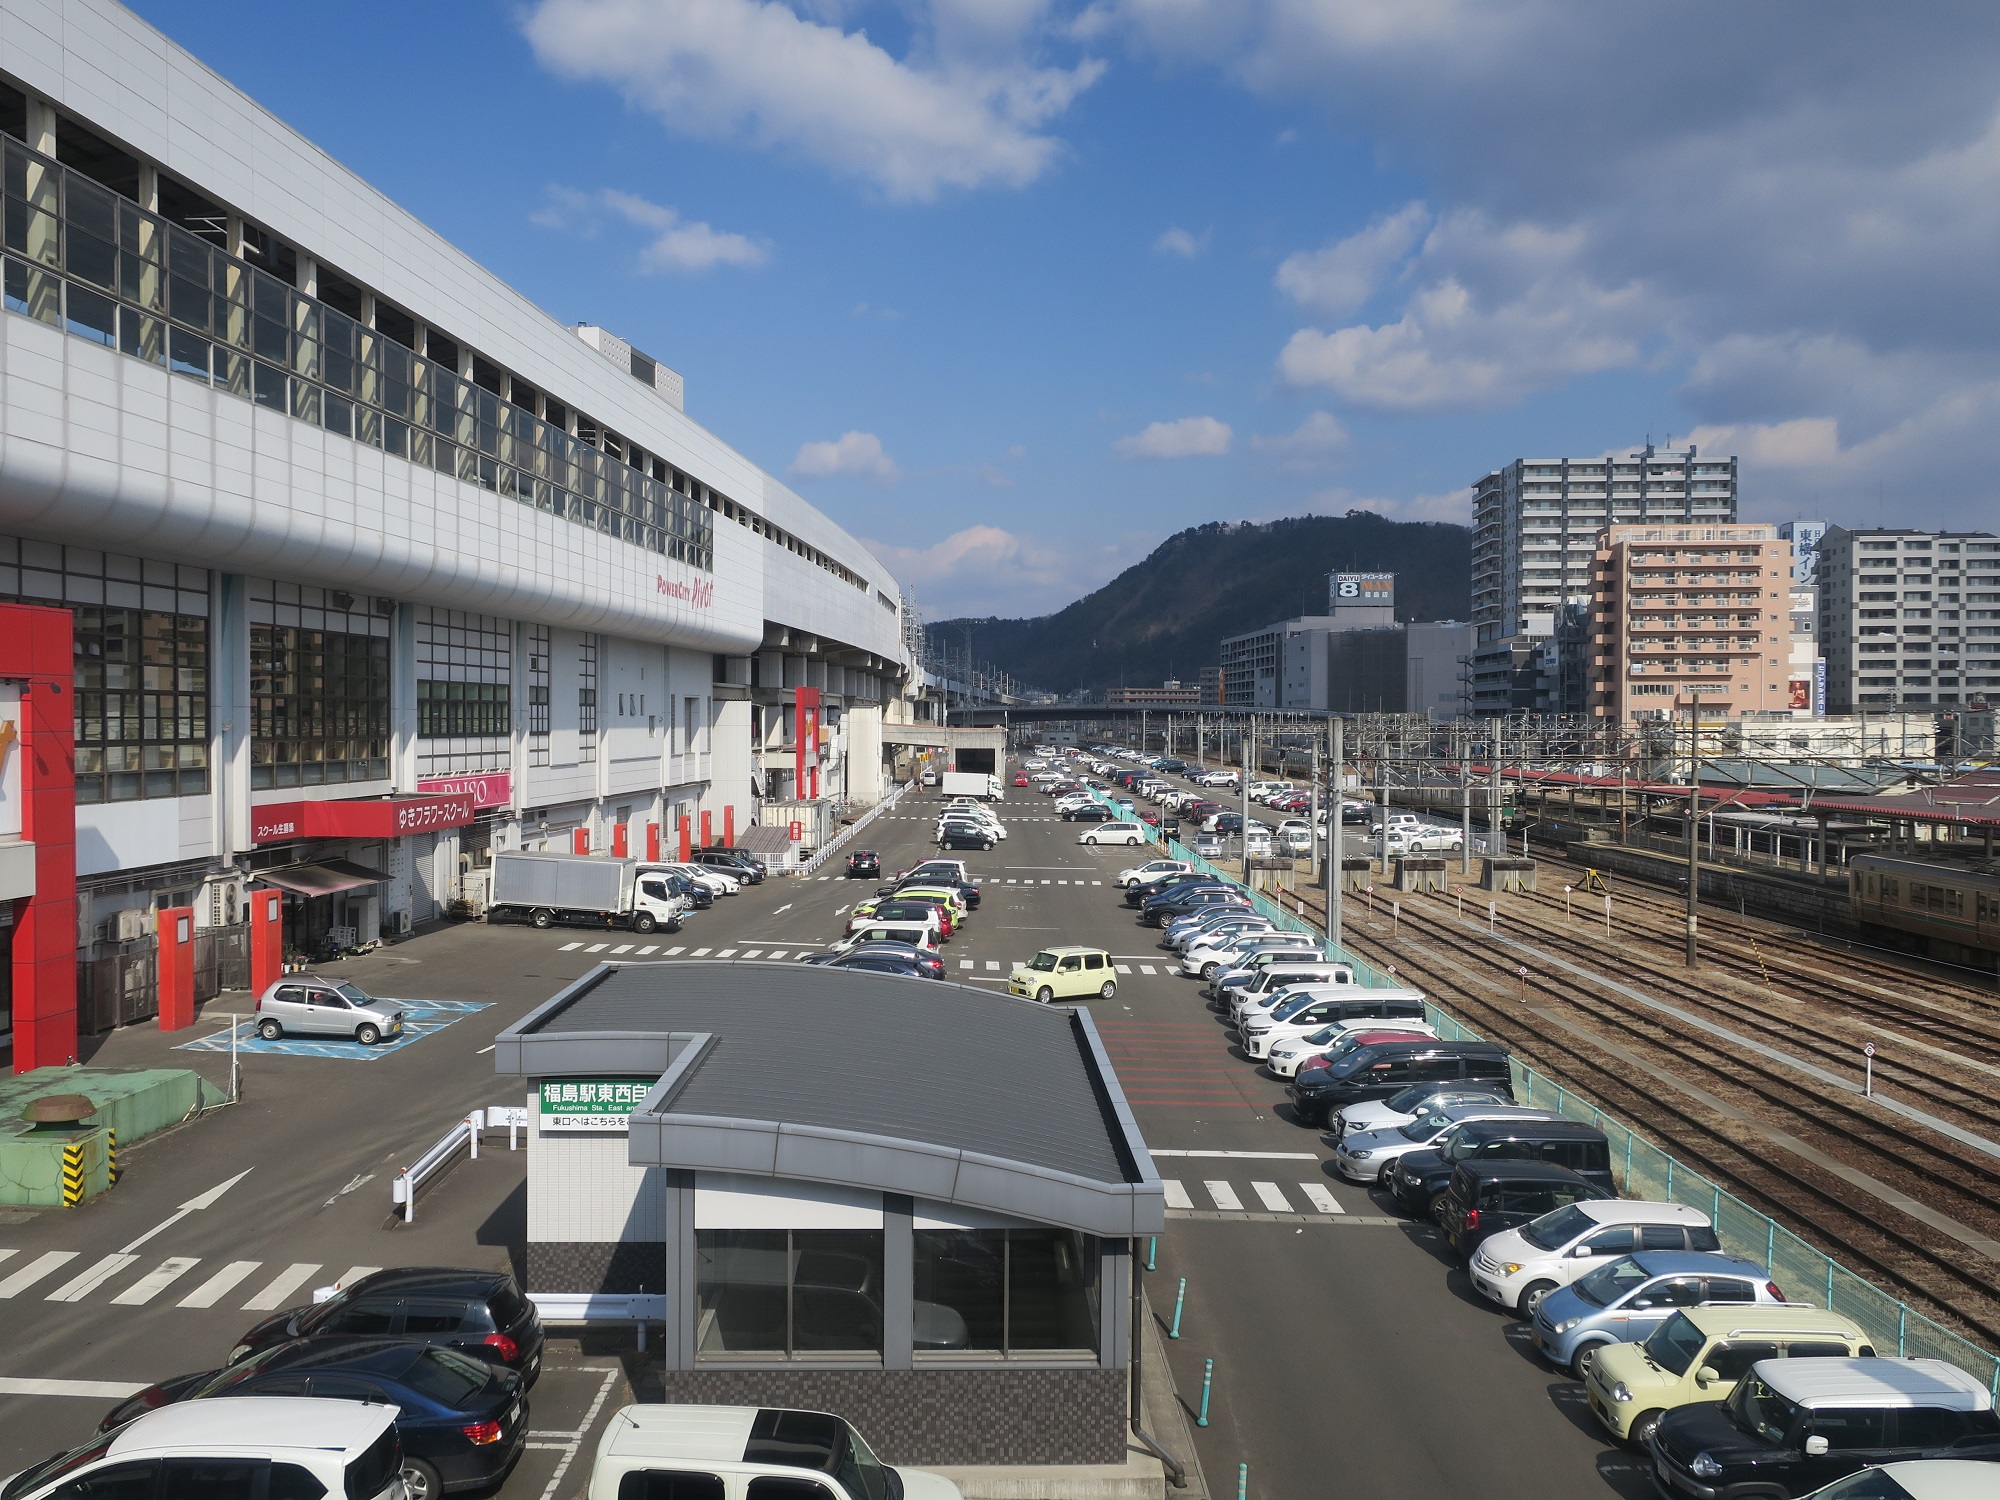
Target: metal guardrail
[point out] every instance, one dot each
(464, 1135)
(834, 843)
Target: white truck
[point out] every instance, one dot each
(972, 784)
(581, 890)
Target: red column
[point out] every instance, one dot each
(580, 841)
(176, 967)
(618, 840)
(267, 939)
(653, 843)
(729, 825)
(706, 837)
(687, 841)
(36, 648)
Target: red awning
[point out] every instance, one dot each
(358, 817)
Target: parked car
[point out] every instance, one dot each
(1307, 1009)
(1369, 1156)
(673, 1452)
(1919, 1479)
(1120, 832)
(1794, 1425)
(1173, 885)
(1066, 973)
(1410, 1103)
(883, 957)
(1422, 1175)
(1624, 1301)
(888, 909)
(480, 1313)
(956, 835)
(1088, 812)
(259, 1445)
(462, 1422)
(1485, 1198)
(1517, 1268)
(307, 1005)
(719, 882)
(1340, 1011)
(1153, 872)
(1701, 1353)
(740, 863)
(920, 935)
(1155, 911)
(1385, 1068)
(864, 862)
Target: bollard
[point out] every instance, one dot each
(72, 1175)
(1152, 1246)
(1243, 1482)
(1492, 909)
(1207, 1379)
(111, 1157)
(473, 1124)
(1180, 1301)
(1607, 914)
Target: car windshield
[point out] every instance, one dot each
(1042, 963)
(1607, 1284)
(1353, 1062)
(56, 1464)
(448, 1378)
(1757, 1409)
(1424, 1128)
(1557, 1228)
(1869, 1484)
(354, 994)
(1675, 1343)
(1409, 1101)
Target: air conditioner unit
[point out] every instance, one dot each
(399, 923)
(128, 926)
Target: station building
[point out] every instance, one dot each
(912, 1202)
(373, 566)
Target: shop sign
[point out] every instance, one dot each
(591, 1103)
(357, 818)
(495, 789)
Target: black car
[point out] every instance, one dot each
(1421, 1176)
(741, 863)
(864, 862)
(481, 1313)
(1485, 1197)
(964, 836)
(883, 958)
(1355, 812)
(1229, 822)
(462, 1422)
(1188, 880)
(1163, 909)
(1089, 812)
(1499, 1090)
(698, 896)
(1385, 1068)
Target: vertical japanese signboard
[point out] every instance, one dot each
(806, 767)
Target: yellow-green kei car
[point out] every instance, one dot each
(1066, 973)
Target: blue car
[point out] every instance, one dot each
(463, 1422)
(1624, 1300)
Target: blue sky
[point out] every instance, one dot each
(1014, 289)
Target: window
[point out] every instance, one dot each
(1850, 1429)
(1005, 1291)
(1618, 1241)
(214, 1479)
(319, 707)
(586, 698)
(1732, 1361)
(119, 1482)
(790, 1293)
(1929, 1427)
(669, 1484)
(783, 1487)
(1730, 1289)
(433, 1317)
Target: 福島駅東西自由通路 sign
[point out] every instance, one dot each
(591, 1103)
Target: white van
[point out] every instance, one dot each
(281, 1445)
(1518, 1267)
(920, 935)
(723, 1452)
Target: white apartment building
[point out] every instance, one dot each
(1909, 618)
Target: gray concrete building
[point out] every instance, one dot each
(1909, 618)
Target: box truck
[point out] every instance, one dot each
(972, 784)
(583, 890)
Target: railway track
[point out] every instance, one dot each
(1953, 1285)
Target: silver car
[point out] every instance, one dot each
(307, 1005)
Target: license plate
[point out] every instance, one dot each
(1538, 1339)
(514, 1412)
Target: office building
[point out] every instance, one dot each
(1690, 613)
(1909, 618)
(1280, 665)
(373, 567)
(1169, 694)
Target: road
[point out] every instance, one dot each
(1345, 1349)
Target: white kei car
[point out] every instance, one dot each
(1152, 871)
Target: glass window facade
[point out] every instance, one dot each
(789, 1293)
(538, 695)
(1005, 1291)
(465, 668)
(319, 687)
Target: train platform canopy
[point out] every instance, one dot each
(1972, 800)
(1858, 781)
(1734, 796)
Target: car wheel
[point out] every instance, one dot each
(1045, 994)
(1208, 970)
(988, 845)
(367, 1033)
(1531, 1297)
(270, 1030)
(1107, 989)
(1643, 1426)
(420, 1480)
(543, 919)
(1579, 1366)
(644, 922)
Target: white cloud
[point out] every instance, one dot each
(987, 570)
(967, 108)
(853, 455)
(677, 244)
(1190, 437)
(1178, 241)
(1315, 437)
(1454, 506)
(1342, 276)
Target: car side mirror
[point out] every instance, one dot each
(1583, 1250)
(1706, 1376)
(1815, 1447)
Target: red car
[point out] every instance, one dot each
(1356, 1039)
(1150, 817)
(1020, 778)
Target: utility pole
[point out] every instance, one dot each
(1331, 871)
(1312, 815)
(1465, 805)
(1495, 833)
(1693, 812)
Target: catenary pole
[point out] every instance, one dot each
(1330, 872)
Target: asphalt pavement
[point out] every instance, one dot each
(1348, 1354)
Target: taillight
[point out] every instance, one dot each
(501, 1344)
(482, 1433)
(1772, 1288)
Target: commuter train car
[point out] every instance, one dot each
(1946, 911)
(1447, 799)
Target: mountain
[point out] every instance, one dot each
(1165, 617)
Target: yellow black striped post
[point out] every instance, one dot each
(72, 1181)
(111, 1158)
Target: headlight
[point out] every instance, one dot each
(1621, 1392)
(1705, 1466)
(1359, 1155)
(1511, 1268)
(1567, 1324)
(237, 1353)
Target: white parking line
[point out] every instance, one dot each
(80, 1286)
(1177, 1196)
(157, 1280)
(966, 963)
(220, 1284)
(282, 1286)
(1318, 1196)
(1147, 969)
(1268, 1195)
(1224, 1196)
(101, 1390)
(34, 1271)
(990, 964)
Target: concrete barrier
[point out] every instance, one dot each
(1356, 875)
(1421, 873)
(1506, 874)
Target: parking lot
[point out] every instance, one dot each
(1346, 1350)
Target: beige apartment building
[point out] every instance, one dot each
(1691, 613)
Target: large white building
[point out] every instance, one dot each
(375, 566)
(1909, 618)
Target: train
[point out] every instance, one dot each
(1948, 911)
(1447, 799)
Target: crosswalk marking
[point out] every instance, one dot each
(1147, 969)
(622, 948)
(34, 1271)
(569, 947)
(1268, 1195)
(777, 953)
(1177, 1196)
(597, 947)
(281, 1286)
(1224, 1196)
(221, 1284)
(992, 966)
(649, 948)
(672, 951)
(1123, 968)
(81, 1286)
(157, 1280)
(354, 1273)
(752, 952)
(1320, 1198)
(965, 963)
(726, 953)
(699, 953)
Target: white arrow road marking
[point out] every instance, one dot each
(786, 907)
(206, 1200)
(356, 1181)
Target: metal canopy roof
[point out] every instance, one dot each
(915, 1086)
(1972, 799)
